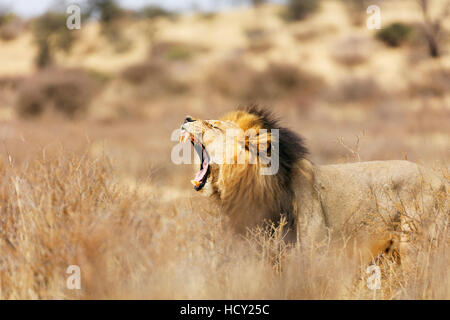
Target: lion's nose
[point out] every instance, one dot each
(188, 119)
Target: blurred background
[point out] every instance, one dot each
(123, 82)
(86, 118)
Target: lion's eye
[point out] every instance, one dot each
(213, 126)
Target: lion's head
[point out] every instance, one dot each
(234, 151)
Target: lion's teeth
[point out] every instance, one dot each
(195, 183)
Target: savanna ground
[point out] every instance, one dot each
(85, 171)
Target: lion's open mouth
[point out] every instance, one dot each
(200, 178)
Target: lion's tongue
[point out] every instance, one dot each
(202, 173)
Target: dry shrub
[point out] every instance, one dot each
(179, 53)
(352, 51)
(50, 35)
(299, 9)
(175, 50)
(429, 277)
(107, 10)
(279, 79)
(257, 3)
(12, 82)
(258, 40)
(139, 73)
(67, 209)
(306, 35)
(427, 119)
(207, 16)
(153, 78)
(117, 39)
(11, 28)
(152, 12)
(112, 19)
(66, 91)
(236, 79)
(60, 212)
(435, 83)
(222, 79)
(8, 90)
(356, 9)
(356, 89)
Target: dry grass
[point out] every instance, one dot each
(101, 192)
(65, 209)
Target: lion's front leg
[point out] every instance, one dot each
(311, 226)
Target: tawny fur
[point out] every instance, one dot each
(371, 207)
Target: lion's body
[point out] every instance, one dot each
(371, 207)
(376, 205)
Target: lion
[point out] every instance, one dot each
(372, 206)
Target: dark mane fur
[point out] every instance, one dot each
(291, 146)
(292, 149)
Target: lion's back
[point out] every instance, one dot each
(354, 191)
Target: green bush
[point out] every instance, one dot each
(395, 34)
(300, 9)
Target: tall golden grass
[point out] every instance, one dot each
(69, 209)
(100, 191)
